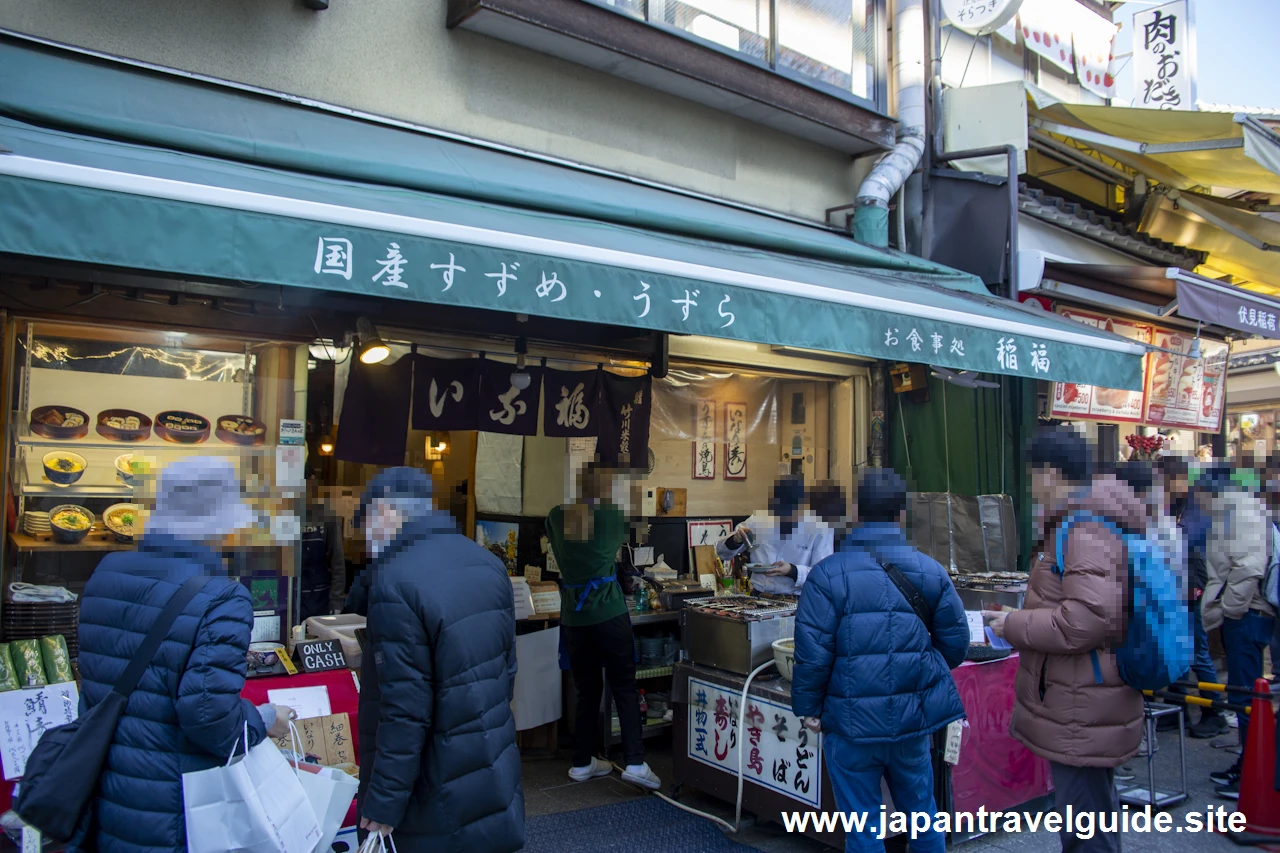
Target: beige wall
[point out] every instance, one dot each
(395, 58)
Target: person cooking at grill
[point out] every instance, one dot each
(788, 539)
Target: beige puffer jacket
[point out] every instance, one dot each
(1061, 712)
(1237, 554)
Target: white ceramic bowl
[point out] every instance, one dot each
(784, 655)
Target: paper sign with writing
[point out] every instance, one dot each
(292, 431)
(709, 532)
(26, 714)
(779, 753)
(735, 441)
(704, 443)
(321, 656)
(305, 702)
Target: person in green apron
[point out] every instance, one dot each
(585, 537)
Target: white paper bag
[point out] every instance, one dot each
(330, 793)
(253, 805)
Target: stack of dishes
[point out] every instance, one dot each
(36, 523)
(23, 620)
(656, 651)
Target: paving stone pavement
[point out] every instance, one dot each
(548, 790)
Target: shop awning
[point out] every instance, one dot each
(1176, 147)
(90, 199)
(1166, 291)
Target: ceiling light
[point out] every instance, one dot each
(372, 348)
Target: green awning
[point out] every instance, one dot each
(86, 198)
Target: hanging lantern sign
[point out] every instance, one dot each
(980, 17)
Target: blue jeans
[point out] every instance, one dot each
(855, 771)
(1245, 638)
(1202, 664)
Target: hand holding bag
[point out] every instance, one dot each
(376, 842)
(62, 772)
(254, 805)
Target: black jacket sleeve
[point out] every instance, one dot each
(403, 654)
(358, 597)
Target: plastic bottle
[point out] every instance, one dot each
(644, 706)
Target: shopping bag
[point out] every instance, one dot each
(252, 805)
(376, 842)
(330, 792)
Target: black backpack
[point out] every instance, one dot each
(62, 772)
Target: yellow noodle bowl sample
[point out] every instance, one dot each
(70, 519)
(122, 521)
(66, 464)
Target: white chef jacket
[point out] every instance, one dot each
(811, 542)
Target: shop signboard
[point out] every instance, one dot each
(1164, 57)
(980, 17)
(321, 656)
(779, 752)
(1073, 401)
(1184, 392)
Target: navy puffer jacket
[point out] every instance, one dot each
(865, 662)
(186, 713)
(438, 755)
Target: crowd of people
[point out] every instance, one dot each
(878, 630)
(874, 676)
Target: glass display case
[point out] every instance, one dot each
(97, 413)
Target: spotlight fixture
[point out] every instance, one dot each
(373, 349)
(520, 379)
(1194, 352)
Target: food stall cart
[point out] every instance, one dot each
(725, 638)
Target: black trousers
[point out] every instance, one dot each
(600, 653)
(1088, 789)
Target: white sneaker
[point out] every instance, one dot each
(640, 774)
(594, 770)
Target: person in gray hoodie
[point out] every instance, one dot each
(1238, 552)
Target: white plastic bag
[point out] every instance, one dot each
(330, 792)
(376, 842)
(252, 805)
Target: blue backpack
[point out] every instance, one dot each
(1157, 646)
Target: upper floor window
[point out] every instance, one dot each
(832, 43)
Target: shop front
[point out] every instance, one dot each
(500, 345)
(1190, 321)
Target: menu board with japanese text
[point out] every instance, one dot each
(1184, 392)
(779, 752)
(1071, 401)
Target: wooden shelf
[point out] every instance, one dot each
(104, 541)
(100, 541)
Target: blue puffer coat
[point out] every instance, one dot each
(865, 662)
(438, 755)
(186, 713)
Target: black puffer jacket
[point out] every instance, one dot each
(438, 754)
